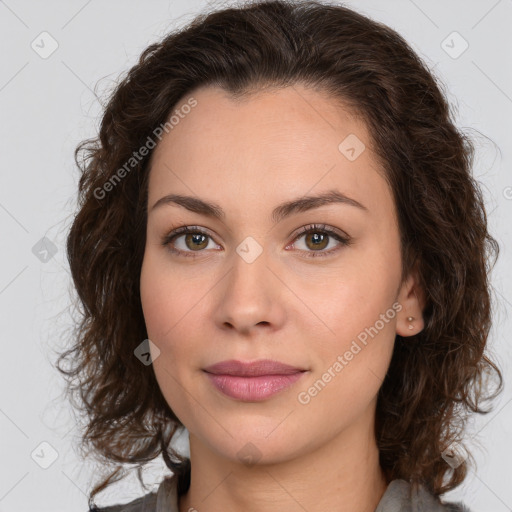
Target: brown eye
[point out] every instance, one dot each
(318, 237)
(195, 240)
(317, 241)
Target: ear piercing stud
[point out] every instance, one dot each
(410, 319)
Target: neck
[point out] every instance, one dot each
(342, 475)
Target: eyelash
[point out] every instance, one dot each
(310, 228)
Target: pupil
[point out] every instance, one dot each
(197, 239)
(318, 240)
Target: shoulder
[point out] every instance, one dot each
(454, 507)
(164, 498)
(146, 503)
(403, 496)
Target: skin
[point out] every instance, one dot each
(248, 157)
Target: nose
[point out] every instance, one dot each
(250, 298)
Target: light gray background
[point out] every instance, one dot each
(49, 105)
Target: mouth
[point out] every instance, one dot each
(253, 389)
(253, 382)
(252, 369)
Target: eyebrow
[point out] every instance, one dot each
(282, 211)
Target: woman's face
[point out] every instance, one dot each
(246, 284)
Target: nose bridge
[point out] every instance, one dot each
(250, 294)
(248, 278)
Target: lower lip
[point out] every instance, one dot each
(253, 389)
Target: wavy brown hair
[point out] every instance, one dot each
(437, 378)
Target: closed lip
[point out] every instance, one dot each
(252, 369)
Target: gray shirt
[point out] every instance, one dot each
(400, 496)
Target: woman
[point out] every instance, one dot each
(280, 247)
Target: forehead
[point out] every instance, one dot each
(267, 147)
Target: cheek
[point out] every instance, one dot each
(162, 307)
(349, 301)
(173, 309)
(151, 297)
(166, 299)
(351, 365)
(355, 318)
(160, 299)
(362, 342)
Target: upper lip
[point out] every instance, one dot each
(252, 369)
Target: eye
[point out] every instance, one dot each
(317, 236)
(195, 238)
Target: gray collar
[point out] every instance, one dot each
(400, 496)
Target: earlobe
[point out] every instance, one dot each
(412, 298)
(415, 325)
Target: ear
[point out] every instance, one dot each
(412, 298)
